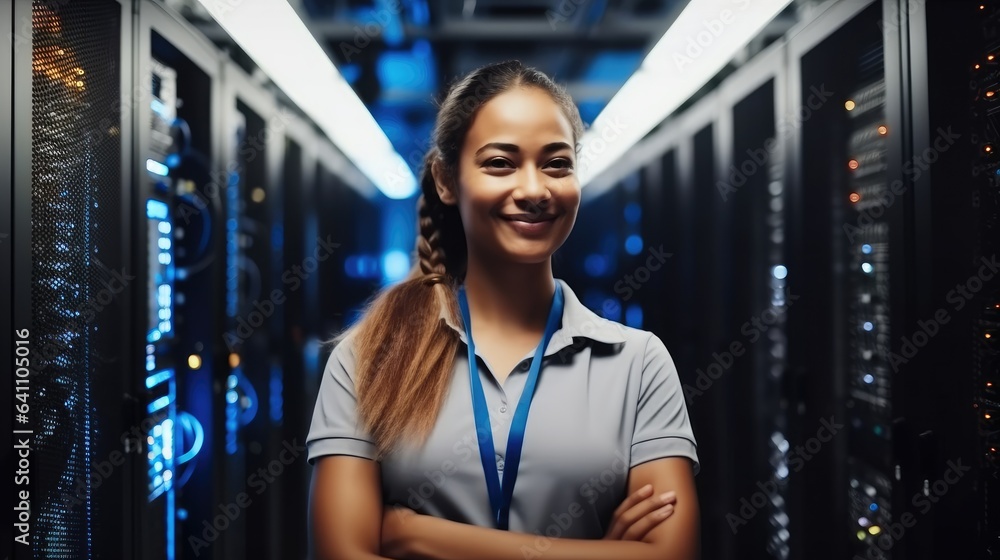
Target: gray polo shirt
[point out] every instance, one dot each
(608, 398)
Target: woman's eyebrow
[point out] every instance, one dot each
(500, 146)
(513, 148)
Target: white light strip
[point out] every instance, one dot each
(279, 43)
(705, 36)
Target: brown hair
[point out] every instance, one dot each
(403, 354)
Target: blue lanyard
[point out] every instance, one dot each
(500, 498)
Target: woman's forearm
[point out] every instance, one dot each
(433, 538)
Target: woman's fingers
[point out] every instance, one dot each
(640, 528)
(617, 525)
(637, 515)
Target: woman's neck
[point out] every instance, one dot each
(505, 296)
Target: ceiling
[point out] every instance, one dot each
(399, 55)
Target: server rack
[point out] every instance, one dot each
(253, 203)
(845, 282)
(986, 219)
(878, 200)
(71, 276)
(302, 249)
(177, 251)
(833, 357)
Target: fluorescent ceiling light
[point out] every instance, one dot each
(705, 36)
(273, 35)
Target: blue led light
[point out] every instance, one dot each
(159, 108)
(156, 167)
(158, 404)
(192, 424)
(156, 209)
(633, 316)
(633, 244)
(873, 507)
(395, 265)
(158, 377)
(779, 272)
(869, 378)
(867, 268)
(866, 249)
(277, 399)
(868, 326)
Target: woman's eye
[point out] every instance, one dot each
(497, 163)
(561, 163)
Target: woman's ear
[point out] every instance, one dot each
(442, 183)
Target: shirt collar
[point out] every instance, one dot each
(578, 321)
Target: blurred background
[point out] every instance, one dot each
(799, 197)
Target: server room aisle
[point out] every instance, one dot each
(799, 198)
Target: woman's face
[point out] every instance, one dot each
(518, 192)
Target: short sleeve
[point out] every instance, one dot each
(662, 426)
(334, 429)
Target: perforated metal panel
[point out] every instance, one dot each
(77, 279)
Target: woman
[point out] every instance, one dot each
(422, 428)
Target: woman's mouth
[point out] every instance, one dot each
(531, 225)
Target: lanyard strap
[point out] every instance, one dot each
(500, 497)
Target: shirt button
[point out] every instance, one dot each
(503, 408)
(499, 462)
(525, 365)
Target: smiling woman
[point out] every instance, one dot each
(480, 392)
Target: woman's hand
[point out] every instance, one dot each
(395, 539)
(639, 514)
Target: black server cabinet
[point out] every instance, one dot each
(881, 236)
(71, 276)
(289, 387)
(842, 267)
(756, 303)
(254, 306)
(984, 200)
(177, 203)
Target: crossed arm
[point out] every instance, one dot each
(350, 527)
